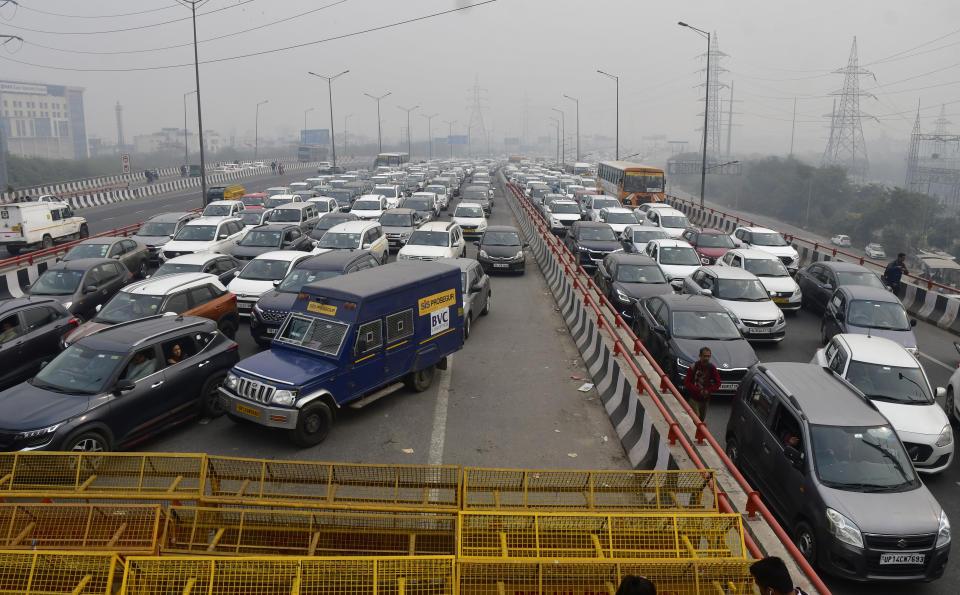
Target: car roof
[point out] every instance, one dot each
(616, 210)
(624, 258)
(227, 202)
(352, 226)
(877, 350)
(276, 226)
(400, 211)
(867, 292)
(502, 228)
(754, 253)
(7, 306)
(213, 220)
(288, 255)
(101, 240)
(334, 260)
(670, 243)
(823, 398)
(670, 212)
(729, 272)
(437, 226)
(758, 229)
(376, 197)
(840, 265)
(293, 205)
(127, 336)
(164, 284)
(80, 264)
(195, 258)
(164, 217)
(681, 302)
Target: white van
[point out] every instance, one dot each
(38, 225)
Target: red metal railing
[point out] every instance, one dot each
(592, 296)
(817, 246)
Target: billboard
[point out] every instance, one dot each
(511, 140)
(458, 139)
(318, 136)
(440, 141)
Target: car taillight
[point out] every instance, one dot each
(233, 298)
(75, 322)
(131, 275)
(233, 347)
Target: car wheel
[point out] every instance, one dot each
(229, 329)
(806, 541)
(84, 232)
(466, 327)
(486, 306)
(950, 406)
(421, 379)
(733, 451)
(313, 425)
(210, 405)
(87, 441)
(47, 242)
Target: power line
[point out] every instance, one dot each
(102, 16)
(916, 47)
(182, 45)
(260, 53)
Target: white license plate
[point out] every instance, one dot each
(243, 306)
(497, 265)
(728, 387)
(760, 330)
(271, 331)
(902, 559)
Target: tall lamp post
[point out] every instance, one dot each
(706, 105)
(556, 121)
(577, 101)
(429, 119)
(450, 123)
(563, 135)
(305, 112)
(379, 129)
(256, 131)
(186, 148)
(345, 119)
(196, 72)
(617, 79)
(409, 144)
(329, 79)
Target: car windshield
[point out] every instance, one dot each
(173, 268)
(589, 184)
(263, 269)
(126, 306)
(156, 228)
(468, 211)
(601, 203)
(741, 290)
(285, 215)
(765, 267)
(621, 218)
(861, 459)
(322, 206)
(714, 240)
(297, 278)
(315, 334)
(252, 218)
(57, 283)
(366, 205)
(252, 201)
(436, 189)
(640, 182)
(477, 194)
(639, 273)
(704, 325)
(876, 314)
(272, 203)
(681, 255)
(767, 238)
(388, 191)
(598, 234)
(501, 238)
(674, 221)
(429, 238)
(564, 208)
(79, 370)
(341, 196)
(261, 239)
(217, 210)
(642, 236)
(858, 278)
(418, 204)
(87, 251)
(396, 220)
(340, 240)
(329, 221)
(197, 233)
(890, 383)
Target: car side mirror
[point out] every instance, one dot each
(476, 243)
(913, 322)
(828, 286)
(941, 392)
(708, 292)
(222, 236)
(89, 289)
(676, 284)
(123, 386)
(366, 245)
(29, 285)
(236, 273)
(794, 456)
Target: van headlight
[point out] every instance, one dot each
(231, 381)
(943, 533)
(846, 531)
(945, 437)
(284, 397)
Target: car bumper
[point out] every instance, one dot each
(863, 564)
(764, 334)
(788, 304)
(265, 415)
(245, 305)
(495, 265)
(261, 331)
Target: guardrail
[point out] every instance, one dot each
(46, 253)
(594, 299)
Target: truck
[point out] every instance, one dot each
(39, 224)
(349, 341)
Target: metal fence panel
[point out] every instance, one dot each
(54, 572)
(122, 528)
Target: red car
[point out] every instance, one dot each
(710, 244)
(254, 200)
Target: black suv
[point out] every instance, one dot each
(591, 241)
(118, 386)
(30, 332)
(273, 306)
(270, 237)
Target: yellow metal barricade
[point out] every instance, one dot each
(494, 535)
(125, 476)
(121, 528)
(356, 486)
(251, 531)
(52, 572)
(286, 576)
(634, 491)
(548, 577)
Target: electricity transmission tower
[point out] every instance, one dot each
(477, 98)
(713, 120)
(846, 146)
(933, 163)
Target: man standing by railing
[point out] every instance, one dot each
(895, 270)
(701, 381)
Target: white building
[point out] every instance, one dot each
(41, 120)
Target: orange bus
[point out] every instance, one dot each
(632, 183)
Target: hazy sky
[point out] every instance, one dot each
(519, 50)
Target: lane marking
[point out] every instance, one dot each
(439, 433)
(938, 362)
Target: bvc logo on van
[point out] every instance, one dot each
(438, 307)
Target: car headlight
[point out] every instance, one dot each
(780, 318)
(231, 381)
(43, 435)
(67, 305)
(623, 297)
(518, 255)
(683, 365)
(736, 320)
(554, 222)
(257, 309)
(845, 530)
(943, 534)
(284, 397)
(483, 253)
(945, 437)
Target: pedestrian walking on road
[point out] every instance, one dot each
(895, 270)
(280, 168)
(273, 166)
(773, 578)
(701, 381)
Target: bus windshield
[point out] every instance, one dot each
(643, 182)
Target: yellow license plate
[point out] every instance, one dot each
(780, 300)
(248, 410)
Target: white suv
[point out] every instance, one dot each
(894, 380)
(355, 235)
(206, 234)
(262, 274)
(767, 240)
(672, 221)
(434, 241)
(370, 206)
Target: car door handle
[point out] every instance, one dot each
(765, 448)
(202, 364)
(156, 384)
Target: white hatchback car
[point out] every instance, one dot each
(767, 240)
(369, 206)
(435, 240)
(676, 258)
(771, 272)
(206, 234)
(744, 297)
(262, 274)
(840, 240)
(355, 235)
(618, 218)
(894, 380)
(671, 221)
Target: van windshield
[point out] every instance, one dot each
(262, 269)
(315, 334)
(861, 459)
(285, 215)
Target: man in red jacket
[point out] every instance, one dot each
(701, 381)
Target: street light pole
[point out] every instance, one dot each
(556, 121)
(577, 101)
(563, 135)
(706, 106)
(196, 72)
(430, 130)
(379, 128)
(409, 144)
(186, 149)
(305, 112)
(450, 123)
(329, 79)
(256, 131)
(345, 118)
(617, 79)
